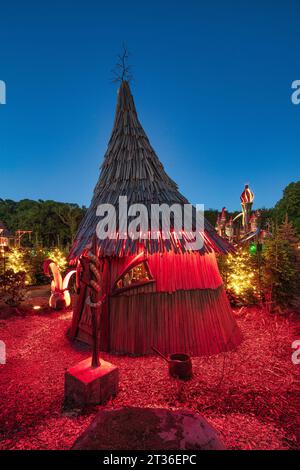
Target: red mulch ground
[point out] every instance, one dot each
(250, 396)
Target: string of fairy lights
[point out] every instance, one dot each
(21, 259)
(240, 274)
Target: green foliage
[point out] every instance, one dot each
(289, 204)
(272, 274)
(18, 260)
(59, 256)
(34, 259)
(30, 261)
(52, 223)
(267, 215)
(12, 287)
(211, 215)
(281, 265)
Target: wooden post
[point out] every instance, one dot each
(95, 298)
(90, 382)
(108, 304)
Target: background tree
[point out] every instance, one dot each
(281, 268)
(52, 223)
(289, 204)
(70, 215)
(211, 215)
(12, 287)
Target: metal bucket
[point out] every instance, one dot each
(180, 366)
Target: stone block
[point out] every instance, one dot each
(87, 386)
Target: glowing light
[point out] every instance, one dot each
(36, 307)
(60, 295)
(240, 278)
(16, 262)
(59, 258)
(247, 195)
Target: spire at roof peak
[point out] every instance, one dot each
(125, 84)
(125, 98)
(122, 70)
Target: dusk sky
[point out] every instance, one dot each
(212, 87)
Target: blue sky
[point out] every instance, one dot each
(212, 86)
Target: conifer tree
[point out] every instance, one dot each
(241, 276)
(281, 270)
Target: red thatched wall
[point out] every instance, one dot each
(197, 322)
(185, 310)
(176, 271)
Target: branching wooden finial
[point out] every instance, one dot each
(122, 70)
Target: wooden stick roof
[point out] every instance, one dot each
(131, 168)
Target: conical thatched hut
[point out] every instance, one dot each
(157, 292)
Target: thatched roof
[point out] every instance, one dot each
(131, 168)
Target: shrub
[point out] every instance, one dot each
(59, 257)
(12, 287)
(30, 261)
(281, 268)
(240, 275)
(271, 274)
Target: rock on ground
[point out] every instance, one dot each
(148, 429)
